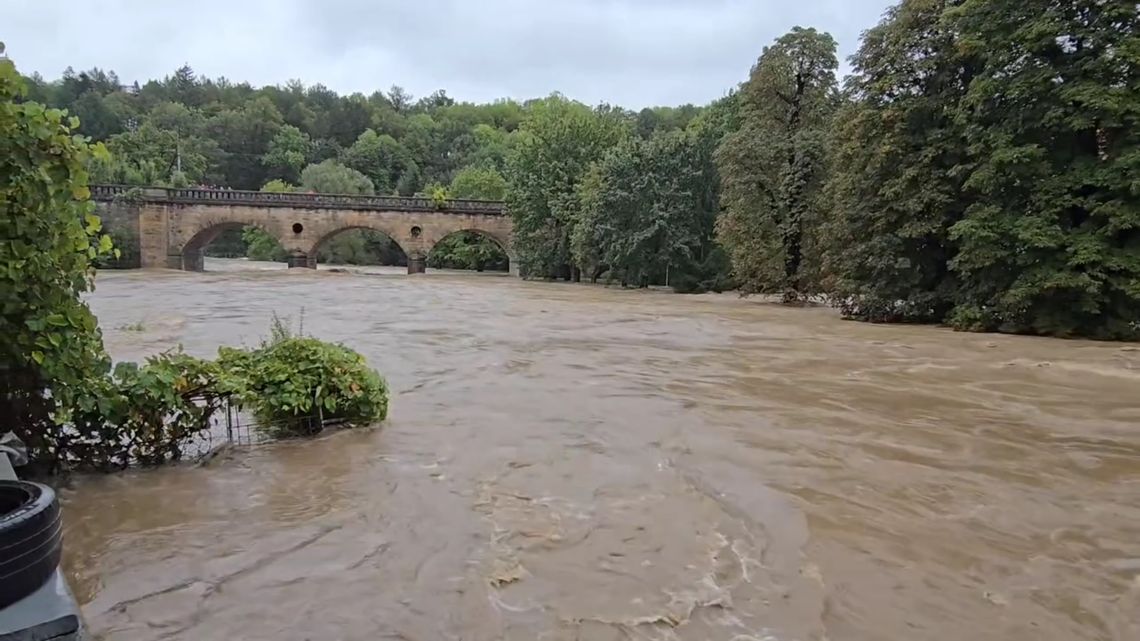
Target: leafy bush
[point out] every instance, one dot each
(294, 378)
(478, 182)
(277, 186)
(51, 344)
(160, 405)
(140, 414)
(145, 415)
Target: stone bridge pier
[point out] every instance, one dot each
(173, 227)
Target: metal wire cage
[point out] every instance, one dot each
(235, 427)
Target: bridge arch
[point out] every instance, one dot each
(388, 231)
(497, 239)
(190, 254)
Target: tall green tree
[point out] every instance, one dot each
(491, 146)
(410, 181)
(1050, 242)
(288, 152)
(183, 87)
(149, 155)
(379, 157)
(176, 117)
(772, 168)
(331, 177)
(244, 135)
(399, 99)
(647, 210)
(896, 179)
(96, 117)
(478, 182)
(558, 142)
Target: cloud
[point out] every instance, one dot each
(628, 52)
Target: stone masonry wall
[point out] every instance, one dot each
(174, 235)
(121, 222)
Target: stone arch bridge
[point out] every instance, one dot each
(174, 226)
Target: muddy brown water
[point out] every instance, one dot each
(574, 462)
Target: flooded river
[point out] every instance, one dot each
(573, 462)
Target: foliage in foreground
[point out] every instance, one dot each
(138, 415)
(49, 236)
(146, 415)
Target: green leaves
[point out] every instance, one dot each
(94, 224)
(379, 157)
(288, 152)
(898, 172)
(261, 245)
(984, 169)
(146, 414)
(558, 142)
(772, 168)
(648, 209)
(331, 177)
(467, 250)
(51, 348)
(1053, 126)
(481, 182)
(287, 379)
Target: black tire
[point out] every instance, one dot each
(31, 538)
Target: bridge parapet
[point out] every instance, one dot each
(195, 196)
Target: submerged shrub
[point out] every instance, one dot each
(140, 415)
(293, 382)
(147, 414)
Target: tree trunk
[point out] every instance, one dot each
(793, 254)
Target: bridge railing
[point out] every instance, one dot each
(196, 196)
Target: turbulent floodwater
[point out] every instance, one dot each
(573, 462)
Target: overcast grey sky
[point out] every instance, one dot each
(629, 52)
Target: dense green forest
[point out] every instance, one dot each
(980, 167)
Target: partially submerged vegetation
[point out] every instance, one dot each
(60, 394)
(293, 379)
(147, 414)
